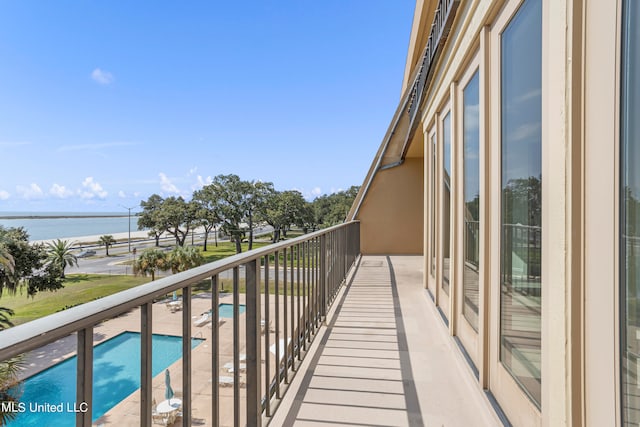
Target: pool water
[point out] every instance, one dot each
(116, 374)
(226, 310)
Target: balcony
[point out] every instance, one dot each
(328, 337)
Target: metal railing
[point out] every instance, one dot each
(521, 258)
(442, 21)
(307, 274)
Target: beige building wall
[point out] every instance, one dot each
(391, 216)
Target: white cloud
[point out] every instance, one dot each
(122, 194)
(166, 184)
(193, 170)
(316, 191)
(101, 76)
(4, 195)
(202, 182)
(92, 189)
(78, 147)
(33, 191)
(60, 191)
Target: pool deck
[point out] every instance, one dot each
(383, 357)
(126, 413)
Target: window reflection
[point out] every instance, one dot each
(471, 142)
(630, 213)
(446, 201)
(521, 105)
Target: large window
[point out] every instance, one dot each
(446, 202)
(630, 212)
(471, 230)
(521, 227)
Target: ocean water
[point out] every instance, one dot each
(57, 225)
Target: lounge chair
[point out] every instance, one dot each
(230, 368)
(203, 320)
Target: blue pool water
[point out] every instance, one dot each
(226, 310)
(116, 374)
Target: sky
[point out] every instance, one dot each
(103, 103)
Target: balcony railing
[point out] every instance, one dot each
(307, 273)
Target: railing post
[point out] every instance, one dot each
(186, 356)
(146, 322)
(323, 277)
(215, 362)
(252, 301)
(84, 379)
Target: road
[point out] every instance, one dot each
(119, 255)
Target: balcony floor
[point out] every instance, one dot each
(384, 359)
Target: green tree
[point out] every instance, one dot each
(150, 261)
(282, 209)
(225, 193)
(150, 219)
(255, 195)
(25, 265)
(207, 213)
(333, 209)
(184, 258)
(107, 240)
(178, 217)
(60, 254)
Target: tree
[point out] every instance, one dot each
(60, 254)
(283, 209)
(207, 213)
(149, 217)
(225, 193)
(255, 195)
(24, 264)
(9, 392)
(184, 258)
(150, 261)
(178, 217)
(333, 209)
(107, 240)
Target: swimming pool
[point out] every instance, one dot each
(116, 374)
(226, 310)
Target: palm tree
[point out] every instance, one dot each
(60, 254)
(9, 370)
(149, 261)
(107, 240)
(183, 258)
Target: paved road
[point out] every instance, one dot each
(119, 255)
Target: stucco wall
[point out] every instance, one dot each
(391, 216)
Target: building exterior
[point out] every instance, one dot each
(512, 165)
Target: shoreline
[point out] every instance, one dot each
(12, 217)
(80, 240)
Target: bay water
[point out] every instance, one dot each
(58, 225)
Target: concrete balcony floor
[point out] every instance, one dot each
(385, 359)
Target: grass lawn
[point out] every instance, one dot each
(78, 289)
(81, 288)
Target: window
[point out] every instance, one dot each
(446, 202)
(471, 227)
(630, 213)
(521, 196)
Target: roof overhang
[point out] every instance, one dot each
(395, 145)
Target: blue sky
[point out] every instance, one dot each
(103, 103)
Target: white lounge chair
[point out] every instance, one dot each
(230, 368)
(203, 320)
